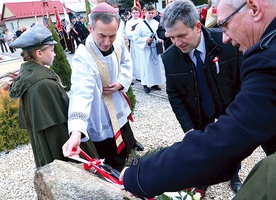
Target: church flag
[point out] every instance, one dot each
(57, 19)
(137, 4)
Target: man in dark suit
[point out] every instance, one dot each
(68, 41)
(211, 156)
(199, 94)
(76, 30)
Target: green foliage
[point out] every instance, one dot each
(181, 195)
(200, 2)
(10, 134)
(164, 197)
(152, 151)
(60, 65)
(87, 9)
(131, 97)
(129, 3)
(135, 154)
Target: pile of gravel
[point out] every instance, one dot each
(155, 125)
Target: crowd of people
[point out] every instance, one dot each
(219, 81)
(7, 37)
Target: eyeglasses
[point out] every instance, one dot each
(231, 15)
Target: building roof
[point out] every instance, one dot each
(76, 6)
(20, 10)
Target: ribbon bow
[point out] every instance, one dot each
(107, 172)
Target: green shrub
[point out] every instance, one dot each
(132, 98)
(61, 65)
(10, 134)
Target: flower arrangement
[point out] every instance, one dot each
(187, 194)
(6, 80)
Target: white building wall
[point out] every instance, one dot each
(159, 6)
(12, 25)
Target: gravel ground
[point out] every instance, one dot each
(155, 125)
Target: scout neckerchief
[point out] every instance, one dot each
(105, 79)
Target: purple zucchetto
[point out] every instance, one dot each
(104, 7)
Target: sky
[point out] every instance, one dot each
(11, 1)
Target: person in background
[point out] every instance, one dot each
(127, 16)
(3, 43)
(211, 156)
(144, 13)
(68, 39)
(76, 30)
(134, 49)
(84, 27)
(204, 10)
(78, 17)
(157, 16)
(98, 109)
(9, 39)
(84, 22)
(122, 27)
(161, 33)
(18, 32)
(211, 18)
(146, 40)
(60, 33)
(43, 104)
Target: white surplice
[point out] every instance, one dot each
(134, 49)
(87, 111)
(151, 64)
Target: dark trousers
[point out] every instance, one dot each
(12, 49)
(3, 44)
(77, 39)
(107, 149)
(71, 45)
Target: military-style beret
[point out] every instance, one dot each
(35, 36)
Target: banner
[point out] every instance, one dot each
(66, 16)
(57, 19)
(43, 18)
(137, 4)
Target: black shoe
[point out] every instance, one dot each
(146, 89)
(156, 87)
(71, 53)
(138, 80)
(139, 146)
(132, 83)
(235, 183)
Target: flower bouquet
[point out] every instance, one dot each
(187, 194)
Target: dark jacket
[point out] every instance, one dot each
(80, 32)
(183, 87)
(211, 156)
(161, 34)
